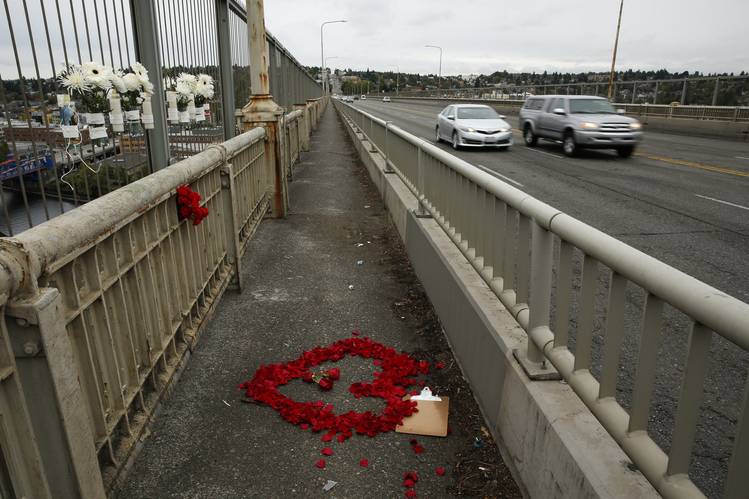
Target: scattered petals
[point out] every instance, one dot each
(364, 463)
(440, 470)
(418, 448)
(408, 483)
(439, 365)
(327, 451)
(411, 475)
(394, 378)
(320, 464)
(410, 493)
(355, 332)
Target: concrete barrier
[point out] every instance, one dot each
(553, 444)
(729, 130)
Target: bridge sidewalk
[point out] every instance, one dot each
(334, 265)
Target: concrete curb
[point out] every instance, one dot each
(553, 444)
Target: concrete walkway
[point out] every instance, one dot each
(335, 264)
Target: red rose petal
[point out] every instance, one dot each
(408, 483)
(327, 437)
(418, 448)
(327, 451)
(364, 463)
(304, 426)
(341, 438)
(410, 493)
(355, 332)
(320, 464)
(440, 470)
(439, 365)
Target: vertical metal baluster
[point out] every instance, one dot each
(646, 363)
(499, 222)
(586, 311)
(692, 388)
(524, 250)
(614, 335)
(738, 479)
(510, 240)
(563, 294)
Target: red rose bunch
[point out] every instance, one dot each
(391, 383)
(188, 205)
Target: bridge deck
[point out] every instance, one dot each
(208, 443)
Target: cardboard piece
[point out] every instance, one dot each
(432, 417)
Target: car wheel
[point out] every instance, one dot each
(569, 146)
(625, 152)
(529, 137)
(437, 134)
(456, 144)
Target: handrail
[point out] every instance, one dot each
(513, 253)
(64, 237)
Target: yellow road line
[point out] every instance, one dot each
(692, 164)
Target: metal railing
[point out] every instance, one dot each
(101, 304)
(702, 91)
(527, 251)
(169, 36)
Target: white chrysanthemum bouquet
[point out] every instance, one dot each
(101, 90)
(190, 97)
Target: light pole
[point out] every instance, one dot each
(616, 44)
(397, 76)
(322, 55)
(439, 78)
(326, 64)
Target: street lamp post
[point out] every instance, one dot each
(439, 78)
(616, 44)
(397, 76)
(323, 73)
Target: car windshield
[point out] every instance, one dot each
(477, 113)
(591, 106)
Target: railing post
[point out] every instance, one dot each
(47, 369)
(230, 219)
(388, 166)
(225, 67)
(715, 91)
(263, 111)
(533, 360)
(304, 131)
(148, 52)
(421, 210)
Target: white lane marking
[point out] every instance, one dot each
(723, 202)
(492, 172)
(741, 157)
(544, 152)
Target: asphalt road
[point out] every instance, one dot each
(681, 199)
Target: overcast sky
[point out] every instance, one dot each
(481, 36)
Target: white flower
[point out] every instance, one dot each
(147, 87)
(183, 88)
(97, 75)
(140, 70)
(132, 82)
(74, 80)
(188, 80)
(117, 82)
(205, 80)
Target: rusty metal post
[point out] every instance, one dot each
(304, 127)
(263, 111)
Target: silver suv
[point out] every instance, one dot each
(579, 121)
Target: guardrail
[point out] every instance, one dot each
(510, 239)
(101, 305)
(715, 113)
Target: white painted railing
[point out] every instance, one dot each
(510, 239)
(101, 305)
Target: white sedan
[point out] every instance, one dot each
(473, 125)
